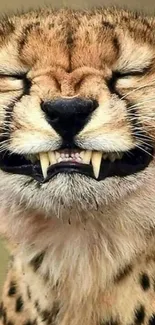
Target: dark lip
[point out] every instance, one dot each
(132, 162)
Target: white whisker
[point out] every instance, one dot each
(138, 88)
(141, 148)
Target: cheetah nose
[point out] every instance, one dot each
(69, 116)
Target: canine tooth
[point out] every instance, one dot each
(44, 161)
(96, 162)
(52, 157)
(82, 154)
(57, 154)
(87, 157)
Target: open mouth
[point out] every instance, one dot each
(95, 164)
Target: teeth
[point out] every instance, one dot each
(82, 153)
(96, 162)
(87, 157)
(57, 154)
(44, 162)
(52, 157)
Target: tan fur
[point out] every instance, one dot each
(73, 237)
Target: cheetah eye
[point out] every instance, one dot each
(13, 82)
(120, 75)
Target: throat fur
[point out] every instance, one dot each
(54, 285)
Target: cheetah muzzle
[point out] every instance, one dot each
(68, 117)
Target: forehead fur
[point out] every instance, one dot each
(72, 39)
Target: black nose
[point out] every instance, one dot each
(69, 116)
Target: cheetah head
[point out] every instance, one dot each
(76, 108)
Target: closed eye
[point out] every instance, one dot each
(130, 73)
(13, 82)
(118, 75)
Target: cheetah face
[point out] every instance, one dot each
(76, 106)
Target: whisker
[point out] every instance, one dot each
(138, 88)
(141, 148)
(144, 143)
(141, 103)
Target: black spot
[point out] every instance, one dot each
(140, 315)
(3, 314)
(1, 309)
(152, 320)
(116, 44)
(107, 24)
(55, 308)
(10, 323)
(12, 289)
(19, 304)
(70, 39)
(53, 313)
(4, 317)
(37, 306)
(51, 25)
(145, 281)
(50, 316)
(123, 273)
(26, 31)
(37, 260)
(45, 314)
(28, 293)
(6, 28)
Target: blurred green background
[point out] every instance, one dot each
(8, 6)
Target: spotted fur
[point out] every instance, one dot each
(83, 250)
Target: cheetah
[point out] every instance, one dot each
(77, 189)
